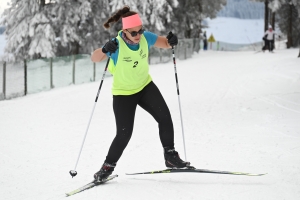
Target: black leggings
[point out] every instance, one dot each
(269, 45)
(151, 100)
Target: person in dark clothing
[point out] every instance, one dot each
(204, 41)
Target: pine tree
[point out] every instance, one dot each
(297, 6)
(79, 25)
(118, 4)
(288, 20)
(267, 10)
(210, 9)
(157, 14)
(67, 18)
(29, 31)
(91, 30)
(190, 13)
(114, 6)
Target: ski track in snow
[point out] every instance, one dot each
(240, 110)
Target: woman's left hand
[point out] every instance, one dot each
(172, 39)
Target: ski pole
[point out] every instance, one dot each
(74, 172)
(176, 78)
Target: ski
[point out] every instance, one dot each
(194, 170)
(90, 185)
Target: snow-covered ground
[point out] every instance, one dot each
(236, 31)
(241, 112)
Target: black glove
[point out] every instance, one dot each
(265, 37)
(172, 39)
(111, 47)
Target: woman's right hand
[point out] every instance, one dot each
(110, 47)
(100, 54)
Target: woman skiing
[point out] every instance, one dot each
(132, 86)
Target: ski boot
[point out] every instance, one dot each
(104, 172)
(172, 159)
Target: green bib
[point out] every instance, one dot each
(131, 73)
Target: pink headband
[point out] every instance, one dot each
(131, 21)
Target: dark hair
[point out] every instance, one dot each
(123, 12)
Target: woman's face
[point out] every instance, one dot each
(137, 31)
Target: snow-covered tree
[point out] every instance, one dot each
(67, 18)
(79, 24)
(118, 4)
(114, 6)
(189, 14)
(267, 13)
(211, 8)
(158, 14)
(161, 16)
(297, 6)
(91, 29)
(288, 20)
(29, 31)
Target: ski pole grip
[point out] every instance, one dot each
(169, 35)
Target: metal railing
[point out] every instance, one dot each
(32, 76)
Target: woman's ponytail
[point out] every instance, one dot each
(123, 12)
